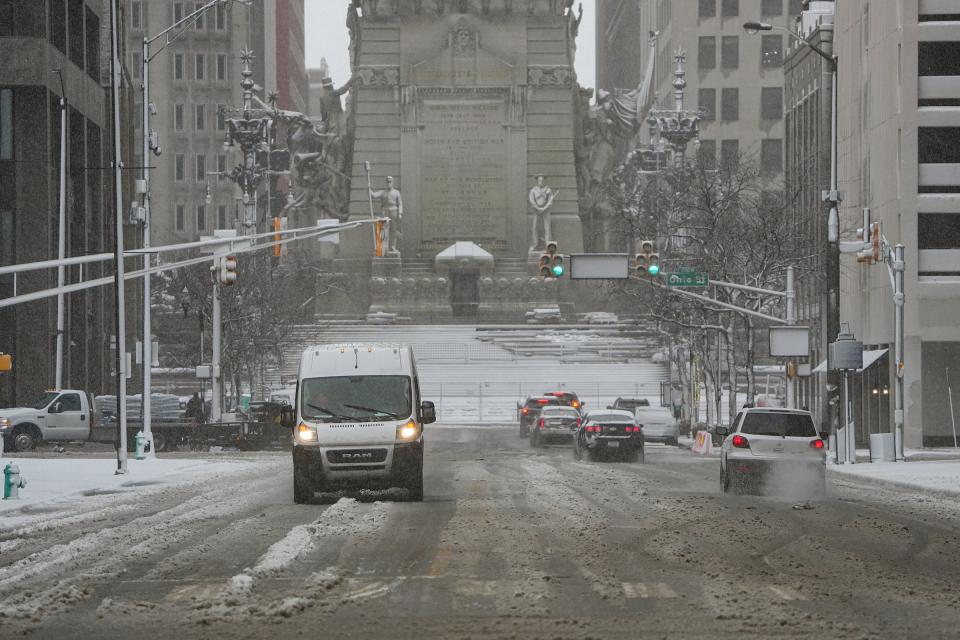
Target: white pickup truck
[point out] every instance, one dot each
(61, 415)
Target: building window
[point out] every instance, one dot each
(938, 58)
(92, 40)
(201, 168)
(708, 8)
(221, 165)
(136, 65)
(221, 67)
(771, 155)
(771, 103)
(136, 15)
(178, 117)
(771, 8)
(795, 7)
(707, 154)
(198, 24)
(180, 217)
(221, 119)
(177, 12)
(6, 124)
(707, 53)
(221, 18)
(729, 153)
(179, 167)
(730, 104)
(178, 66)
(730, 52)
(938, 145)
(708, 101)
(75, 21)
(201, 117)
(201, 218)
(201, 64)
(771, 51)
(57, 19)
(222, 216)
(731, 8)
(938, 231)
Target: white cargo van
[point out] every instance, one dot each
(358, 420)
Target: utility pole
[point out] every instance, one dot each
(216, 383)
(61, 231)
(121, 325)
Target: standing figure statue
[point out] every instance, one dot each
(391, 207)
(541, 200)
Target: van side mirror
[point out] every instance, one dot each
(428, 413)
(287, 417)
(722, 431)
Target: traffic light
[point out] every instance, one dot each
(228, 270)
(551, 263)
(648, 262)
(6, 363)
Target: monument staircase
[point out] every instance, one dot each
(503, 268)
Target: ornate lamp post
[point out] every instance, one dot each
(679, 126)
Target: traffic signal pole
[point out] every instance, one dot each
(216, 383)
(791, 320)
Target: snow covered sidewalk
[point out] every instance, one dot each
(63, 481)
(938, 476)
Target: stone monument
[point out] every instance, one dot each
(463, 102)
(541, 199)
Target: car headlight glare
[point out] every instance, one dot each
(4, 423)
(407, 431)
(306, 433)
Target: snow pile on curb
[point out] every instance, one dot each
(941, 476)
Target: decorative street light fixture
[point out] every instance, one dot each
(678, 126)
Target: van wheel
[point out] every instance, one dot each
(415, 487)
(25, 438)
(303, 488)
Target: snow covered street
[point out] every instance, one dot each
(509, 541)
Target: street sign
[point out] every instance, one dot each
(599, 266)
(687, 279)
(789, 342)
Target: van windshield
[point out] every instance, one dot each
(356, 398)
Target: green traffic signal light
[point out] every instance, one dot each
(654, 269)
(557, 270)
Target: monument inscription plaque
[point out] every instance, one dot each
(463, 154)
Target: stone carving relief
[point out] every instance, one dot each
(549, 76)
(378, 76)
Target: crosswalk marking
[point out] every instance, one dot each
(199, 591)
(648, 590)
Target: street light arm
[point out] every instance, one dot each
(754, 27)
(186, 19)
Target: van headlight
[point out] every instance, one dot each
(408, 431)
(4, 423)
(306, 433)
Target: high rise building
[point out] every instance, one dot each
(35, 38)
(736, 77)
(899, 80)
(807, 144)
(191, 80)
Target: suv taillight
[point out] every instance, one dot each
(541, 424)
(740, 442)
(816, 444)
(525, 411)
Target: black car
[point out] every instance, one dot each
(555, 424)
(529, 411)
(609, 432)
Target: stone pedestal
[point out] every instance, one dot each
(390, 266)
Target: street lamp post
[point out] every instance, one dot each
(833, 196)
(151, 143)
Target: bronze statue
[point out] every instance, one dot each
(391, 207)
(541, 200)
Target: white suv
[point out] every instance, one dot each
(774, 451)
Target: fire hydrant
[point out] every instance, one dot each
(12, 482)
(141, 443)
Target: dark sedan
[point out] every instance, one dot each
(555, 424)
(609, 433)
